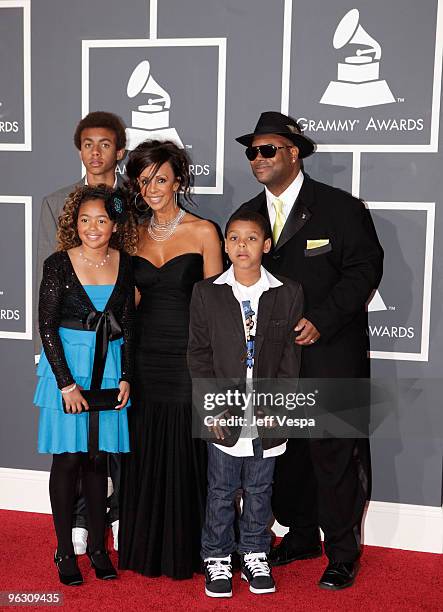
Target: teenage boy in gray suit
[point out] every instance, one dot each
(241, 327)
(100, 138)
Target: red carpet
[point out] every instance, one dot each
(389, 580)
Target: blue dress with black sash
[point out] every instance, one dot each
(59, 432)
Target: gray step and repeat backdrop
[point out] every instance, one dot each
(363, 79)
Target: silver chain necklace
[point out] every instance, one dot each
(163, 231)
(93, 264)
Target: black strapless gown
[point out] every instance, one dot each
(163, 487)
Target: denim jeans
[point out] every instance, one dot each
(227, 474)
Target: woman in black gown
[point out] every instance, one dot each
(163, 486)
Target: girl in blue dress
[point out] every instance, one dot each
(86, 311)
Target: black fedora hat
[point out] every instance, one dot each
(272, 122)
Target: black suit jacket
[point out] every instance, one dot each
(337, 279)
(217, 346)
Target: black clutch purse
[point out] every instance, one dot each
(99, 399)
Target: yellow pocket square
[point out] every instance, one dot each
(315, 244)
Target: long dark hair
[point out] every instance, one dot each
(157, 153)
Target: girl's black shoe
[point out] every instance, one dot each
(102, 564)
(68, 571)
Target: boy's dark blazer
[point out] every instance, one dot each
(217, 346)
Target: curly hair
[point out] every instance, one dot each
(125, 238)
(156, 153)
(102, 119)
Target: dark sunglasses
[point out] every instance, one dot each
(267, 151)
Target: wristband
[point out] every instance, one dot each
(68, 389)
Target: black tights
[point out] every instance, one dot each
(62, 491)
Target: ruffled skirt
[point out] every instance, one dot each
(59, 432)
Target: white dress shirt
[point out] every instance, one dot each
(243, 447)
(114, 186)
(288, 197)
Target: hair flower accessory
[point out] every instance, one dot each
(118, 205)
(115, 207)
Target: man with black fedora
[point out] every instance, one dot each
(325, 239)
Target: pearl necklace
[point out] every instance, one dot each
(91, 263)
(163, 231)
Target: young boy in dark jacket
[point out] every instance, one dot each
(242, 328)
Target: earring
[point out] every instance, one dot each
(140, 207)
(175, 199)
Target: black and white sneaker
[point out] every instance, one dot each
(218, 574)
(255, 569)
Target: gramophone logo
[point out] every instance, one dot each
(376, 304)
(151, 120)
(358, 83)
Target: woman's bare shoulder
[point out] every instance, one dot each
(202, 225)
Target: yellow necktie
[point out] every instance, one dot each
(280, 219)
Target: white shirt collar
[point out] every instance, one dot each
(288, 197)
(115, 182)
(267, 280)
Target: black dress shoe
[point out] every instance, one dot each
(102, 564)
(338, 575)
(68, 571)
(286, 552)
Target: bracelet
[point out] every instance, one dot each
(69, 389)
